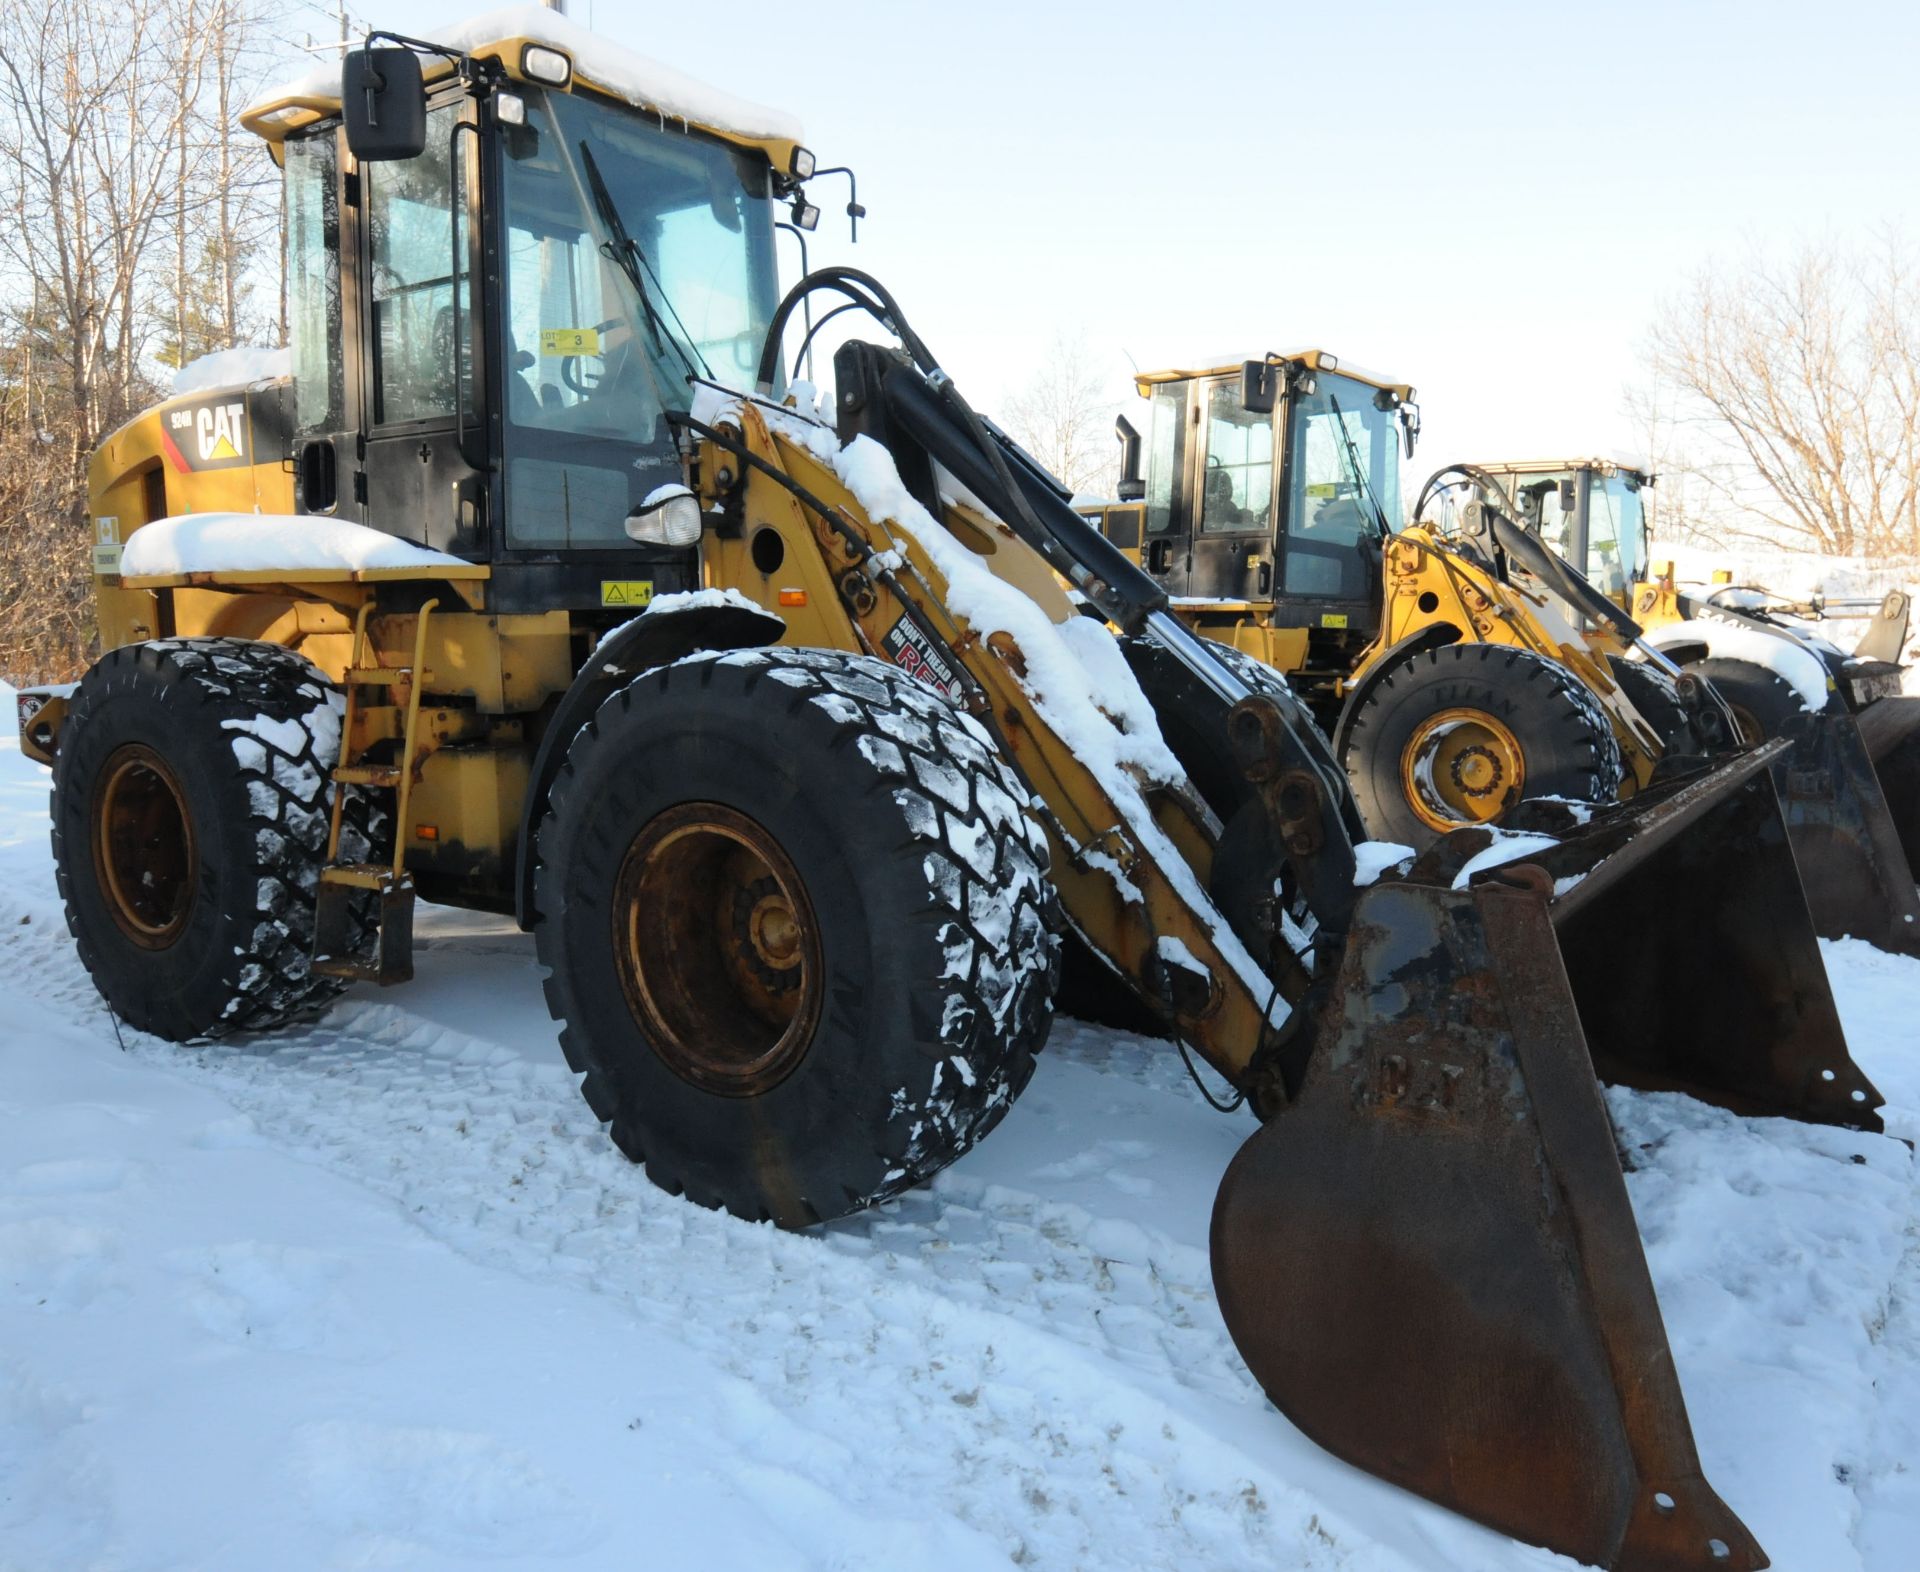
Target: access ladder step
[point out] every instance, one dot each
(359, 875)
(334, 927)
(389, 775)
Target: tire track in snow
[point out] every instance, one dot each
(951, 1347)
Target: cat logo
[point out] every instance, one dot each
(212, 435)
(220, 432)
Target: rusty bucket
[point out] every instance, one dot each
(1428, 1258)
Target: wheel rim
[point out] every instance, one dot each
(1461, 766)
(143, 846)
(717, 949)
(1748, 729)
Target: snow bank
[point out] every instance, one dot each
(230, 368)
(234, 542)
(1738, 641)
(639, 79)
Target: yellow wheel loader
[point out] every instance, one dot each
(1848, 786)
(779, 736)
(1592, 513)
(1271, 512)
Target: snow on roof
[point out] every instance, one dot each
(1618, 458)
(613, 68)
(229, 368)
(1207, 365)
(251, 542)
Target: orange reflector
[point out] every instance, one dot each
(793, 597)
(426, 832)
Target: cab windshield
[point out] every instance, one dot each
(1616, 534)
(604, 337)
(1343, 483)
(1616, 556)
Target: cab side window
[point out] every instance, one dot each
(1236, 490)
(1166, 454)
(418, 249)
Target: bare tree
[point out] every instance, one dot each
(1064, 417)
(105, 105)
(1793, 393)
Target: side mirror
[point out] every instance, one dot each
(1569, 495)
(1259, 384)
(1132, 488)
(384, 103)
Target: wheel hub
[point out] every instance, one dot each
(1461, 766)
(717, 949)
(1476, 771)
(143, 846)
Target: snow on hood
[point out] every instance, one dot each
(627, 74)
(236, 542)
(232, 368)
(1742, 641)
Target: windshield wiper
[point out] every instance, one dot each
(1352, 455)
(621, 249)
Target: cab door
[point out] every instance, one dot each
(1231, 555)
(1166, 539)
(420, 339)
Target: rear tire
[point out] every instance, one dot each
(1761, 699)
(797, 923)
(1458, 735)
(190, 821)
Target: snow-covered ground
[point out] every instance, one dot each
(379, 1293)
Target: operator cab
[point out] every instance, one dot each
(492, 320)
(1269, 487)
(1591, 512)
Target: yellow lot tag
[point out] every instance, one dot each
(1333, 619)
(626, 592)
(1323, 489)
(569, 341)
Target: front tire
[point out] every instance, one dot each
(798, 928)
(1459, 734)
(190, 821)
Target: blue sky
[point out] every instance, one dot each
(1487, 200)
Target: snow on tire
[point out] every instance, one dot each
(190, 815)
(798, 929)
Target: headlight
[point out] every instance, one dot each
(800, 166)
(541, 64)
(670, 516)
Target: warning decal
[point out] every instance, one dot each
(626, 592)
(106, 544)
(911, 651)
